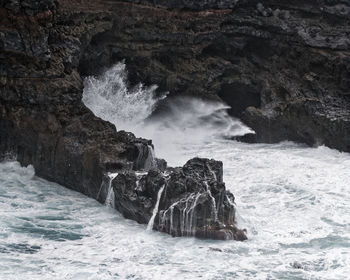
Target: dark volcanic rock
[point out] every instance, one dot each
(267, 54)
(191, 201)
(247, 138)
(191, 4)
(282, 65)
(43, 122)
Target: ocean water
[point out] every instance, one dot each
(293, 200)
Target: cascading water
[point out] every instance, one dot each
(213, 206)
(232, 214)
(212, 172)
(298, 221)
(146, 159)
(155, 210)
(187, 215)
(151, 159)
(110, 199)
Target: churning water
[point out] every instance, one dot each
(181, 124)
(293, 200)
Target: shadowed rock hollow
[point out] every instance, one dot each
(282, 65)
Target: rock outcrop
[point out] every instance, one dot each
(43, 121)
(187, 201)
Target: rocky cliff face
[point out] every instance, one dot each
(43, 122)
(283, 66)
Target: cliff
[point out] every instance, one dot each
(43, 122)
(283, 66)
(284, 69)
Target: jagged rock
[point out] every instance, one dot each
(295, 65)
(191, 4)
(267, 54)
(304, 120)
(189, 201)
(43, 122)
(247, 138)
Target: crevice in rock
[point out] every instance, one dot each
(239, 96)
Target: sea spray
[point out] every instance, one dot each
(133, 109)
(110, 98)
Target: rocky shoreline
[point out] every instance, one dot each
(44, 123)
(283, 68)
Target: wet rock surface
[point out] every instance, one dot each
(267, 54)
(43, 122)
(189, 201)
(292, 60)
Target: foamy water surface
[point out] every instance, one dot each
(293, 200)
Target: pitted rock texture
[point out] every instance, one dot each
(43, 121)
(283, 66)
(275, 62)
(192, 200)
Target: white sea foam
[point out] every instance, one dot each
(185, 122)
(293, 200)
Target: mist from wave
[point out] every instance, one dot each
(173, 124)
(293, 200)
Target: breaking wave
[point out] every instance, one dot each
(171, 123)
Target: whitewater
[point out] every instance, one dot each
(292, 199)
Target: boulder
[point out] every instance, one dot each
(187, 201)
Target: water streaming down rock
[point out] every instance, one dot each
(187, 201)
(146, 159)
(233, 212)
(110, 199)
(213, 205)
(212, 172)
(155, 210)
(151, 159)
(178, 201)
(187, 216)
